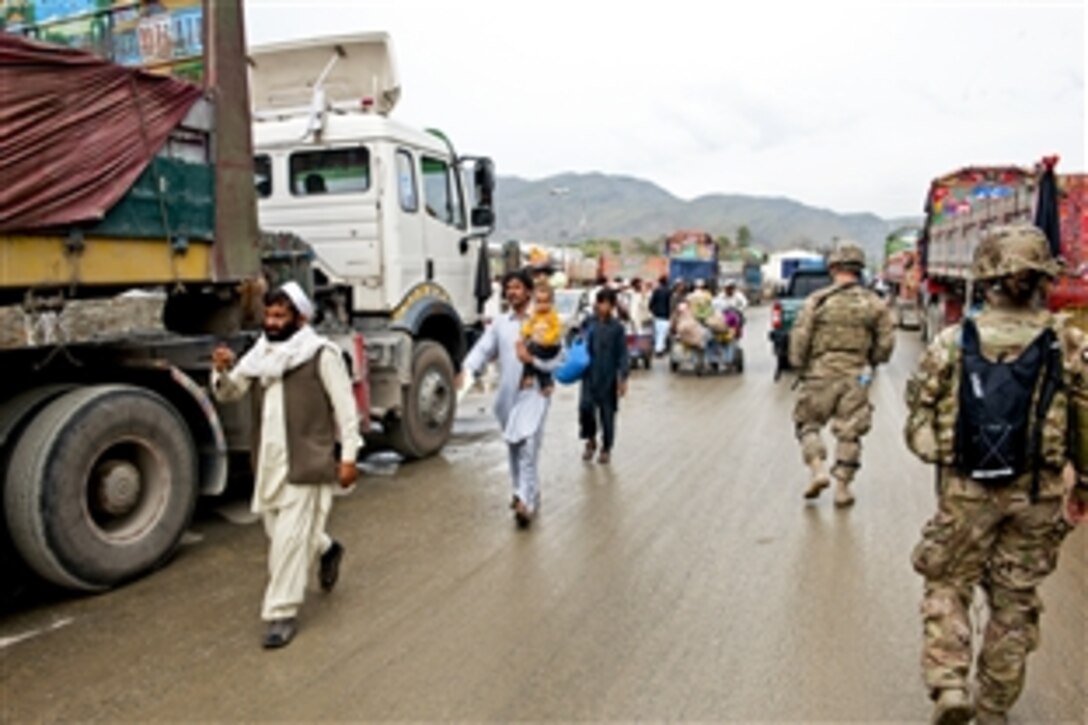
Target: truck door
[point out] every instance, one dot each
(444, 226)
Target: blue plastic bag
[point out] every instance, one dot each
(575, 365)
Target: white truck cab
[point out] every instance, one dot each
(386, 209)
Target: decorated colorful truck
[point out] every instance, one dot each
(902, 274)
(693, 256)
(960, 206)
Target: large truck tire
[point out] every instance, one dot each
(430, 404)
(100, 486)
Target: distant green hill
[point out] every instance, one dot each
(572, 207)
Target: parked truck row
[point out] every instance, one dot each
(114, 292)
(902, 275)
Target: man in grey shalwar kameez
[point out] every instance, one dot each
(520, 406)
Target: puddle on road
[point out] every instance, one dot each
(383, 463)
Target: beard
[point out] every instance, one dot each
(281, 334)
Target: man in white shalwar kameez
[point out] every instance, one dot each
(520, 407)
(291, 365)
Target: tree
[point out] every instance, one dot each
(644, 248)
(723, 242)
(744, 236)
(599, 247)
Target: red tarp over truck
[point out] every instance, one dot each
(76, 131)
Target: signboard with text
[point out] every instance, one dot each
(162, 36)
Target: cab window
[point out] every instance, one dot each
(262, 175)
(442, 193)
(406, 181)
(330, 171)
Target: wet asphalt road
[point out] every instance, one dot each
(688, 581)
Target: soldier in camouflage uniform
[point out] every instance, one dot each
(842, 331)
(1004, 539)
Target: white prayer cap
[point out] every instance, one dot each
(299, 299)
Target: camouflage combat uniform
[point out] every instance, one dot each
(1001, 539)
(841, 331)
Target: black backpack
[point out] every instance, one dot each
(998, 435)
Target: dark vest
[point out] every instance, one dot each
(313, 455)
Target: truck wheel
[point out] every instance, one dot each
(430, 404)
(100, 486)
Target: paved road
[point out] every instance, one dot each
(686, 581)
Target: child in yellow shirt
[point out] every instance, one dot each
(542, 332)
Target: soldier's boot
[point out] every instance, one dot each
(988, 717)
(843, 497)
(818, 480)
(953, 707)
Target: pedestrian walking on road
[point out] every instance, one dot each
(306, 434)
(990, 406)
(661, 309)
(842, 333)
(637, 307)
(521, 406)
(605, 381)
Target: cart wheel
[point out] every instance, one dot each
(740, 361)
(649, 362)
(674, 366)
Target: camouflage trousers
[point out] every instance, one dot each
(996, 539)
(844, 402)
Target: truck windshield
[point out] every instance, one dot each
(441, 192)
(802, 285)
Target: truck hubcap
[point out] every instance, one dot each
(118, 487)
(127, 491)
(435, 400)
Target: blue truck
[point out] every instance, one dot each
(692, 256)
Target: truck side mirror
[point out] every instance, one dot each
(483, 217)
(483, 176)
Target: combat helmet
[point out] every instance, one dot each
(847, 254)
(1009, 249)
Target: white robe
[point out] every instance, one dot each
(521, 412)
(294, 515)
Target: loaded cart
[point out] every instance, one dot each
(713, 347)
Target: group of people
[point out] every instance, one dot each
(523, 341)
(996, 406)
(692, 311)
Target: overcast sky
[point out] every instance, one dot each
(850, 106)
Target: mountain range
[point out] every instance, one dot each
(573, 207)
